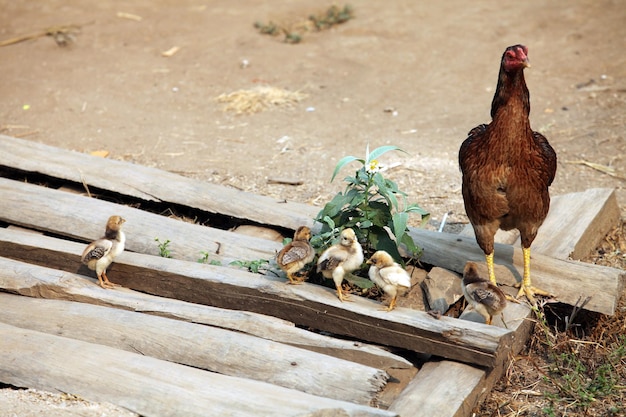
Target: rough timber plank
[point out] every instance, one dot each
(84, 218)
(567, 279)
(307, 305)
(150, 184)
(204, 347)
(145, 385)
(576, 223)
(76, 288)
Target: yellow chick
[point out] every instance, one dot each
(389, 276)
(296, 254)
(486, 298)
(340, 259)
(99, 254)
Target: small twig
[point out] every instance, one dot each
(598, 167)
(575, 310)
(62, 35)
(85, 186)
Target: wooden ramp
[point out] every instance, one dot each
(207, 323)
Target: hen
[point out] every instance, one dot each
(99, 254)
(486, 298)
(341, 259)
(389, 276)
(507, 168)
(296, 254)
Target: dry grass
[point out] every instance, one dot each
(578, 371)
(259, 98)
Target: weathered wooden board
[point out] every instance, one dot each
(77, 288)
(446, 390)
(145, 385)
(151, 184)
(568, 280)
(204, 347)
(576, 223)
(307, 305)
(84, 218)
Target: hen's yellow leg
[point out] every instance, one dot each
(525, 288)
(492, 274)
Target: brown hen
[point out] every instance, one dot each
(507, 168)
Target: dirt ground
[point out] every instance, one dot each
(418, 75)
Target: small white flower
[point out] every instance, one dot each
(373, 167)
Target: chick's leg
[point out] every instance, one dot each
(525, 287)
(107, 283)
(293, 280)
(338, 274)
(392, 303)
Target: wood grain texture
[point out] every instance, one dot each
(306, 305)
(145, 385)
(204, 347)
(567, 279)
(151, 184)
(83, 218)
(50, 284)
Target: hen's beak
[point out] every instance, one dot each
(526, 63)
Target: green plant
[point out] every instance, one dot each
(373, 206)
(164, 250)
(205, 259)
(256, 266)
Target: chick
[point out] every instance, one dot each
(389, 276)
(341, 259)
(99, 254)
(486, 298)
(296, 254)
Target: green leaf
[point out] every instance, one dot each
(329, 222)
(408, 241)
(399, 221)
(376, 153)
(360, 282)
(365, 224)
(343, 161)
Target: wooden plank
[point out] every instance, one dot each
(151, 184)
(575, 225)
(84, 218)
(441, 389)
(564, 278)
(306, 305)
(204, 347)
(77, 288)
(579, 222)
(145, 385)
